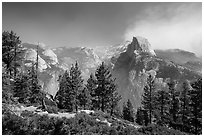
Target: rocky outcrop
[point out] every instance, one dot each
(51, 56)
(140, 45)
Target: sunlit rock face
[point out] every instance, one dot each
(48, 66)
(53, 62)
(86, 58)
(131, 68)
(51, 56)
(31, 57)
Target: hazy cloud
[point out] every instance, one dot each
(165, 25)
(170, 26)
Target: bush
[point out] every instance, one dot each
(81, 124)
(159, 130)
(13, 124)
(27, 113)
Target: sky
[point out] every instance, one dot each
(165, 25)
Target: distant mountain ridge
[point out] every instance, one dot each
(185, 58)
(130, 62)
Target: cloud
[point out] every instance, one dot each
(170, 27)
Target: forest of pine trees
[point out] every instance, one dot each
(181, 110)
(99, 93)
(18, 83)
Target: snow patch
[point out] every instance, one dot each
(30, 108)
(61, 115)
(86, 111)
(105, 121)
(40, 112)
(135, 126)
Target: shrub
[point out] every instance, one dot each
(159, 130)
(81, 124)
(13, 124)
(27, 113)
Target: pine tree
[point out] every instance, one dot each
(36, 93)
(184, 102)
(85, 99)
(70, 89)
(174, 102)
(113, 102)
(7, 93)
(91, 87)
(22, 88)
(128, 113)
(76, 85)
(140, 116)
(196, 106)
(105, 86)
(26, 87)
(63, 95)
(11, 52)
(162, 106)
(146, 119)
(147, 98)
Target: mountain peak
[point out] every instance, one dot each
(140, 45)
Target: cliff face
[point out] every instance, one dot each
(131, 68)
(139, 46)
(133, 64)
(86, 58)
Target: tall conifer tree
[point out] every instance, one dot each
(184, 104)
(174, 102)
(147, 100)
(128, 113)
(196, 106)
(162, 106)
(91, 87)
(76, 85)
(11, 52)
(63, 95)
(105, 86)
(85, 99)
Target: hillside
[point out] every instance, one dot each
(22, 120)
(181, 57)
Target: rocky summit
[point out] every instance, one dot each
(140, 45)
